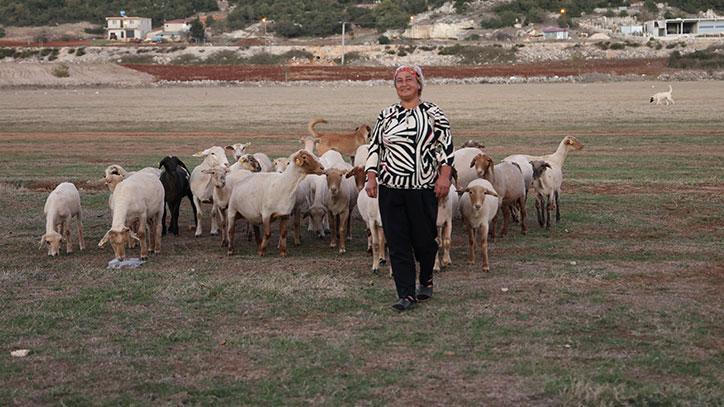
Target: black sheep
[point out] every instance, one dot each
(175, 180)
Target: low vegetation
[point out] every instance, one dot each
(709, 59)
(61, 71)
(476, 55)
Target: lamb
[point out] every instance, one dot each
(263, 197)
(237, 149)
(62, 205)
(139, 198)
(446, 208)
(280, 164)
(114, 174)
(340, 200)
(461, 161)
(224, 180)
(369, 208)
(201, 186)
(344, 143)
(175, 180)
(507, 180)
(478, 205)
(547, 181)
(662, 97)
(315, 188)
(247, 162)
(568, 144)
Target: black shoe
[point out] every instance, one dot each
(424, 293)
(404, 304)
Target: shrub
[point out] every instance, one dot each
(186, 59)
(60, 71)
(2, 32)
(298, 54)
(224, 57)
(711, 58)
(473, 37)
(618, 46)
(80, 52)
(479, 55)
(6, 52)
(71, 51)
(95, 30)
(505, 19)
(137, 59)
(672, 45)
(354, 56)
(263, 58)
(623, 13)
(383, 40)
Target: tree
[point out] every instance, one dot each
(197, 30)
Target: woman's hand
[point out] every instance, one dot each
(442, 185)
(371, 185)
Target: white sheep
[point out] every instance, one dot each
(446, 208)
(568, 144)
(280, 164)
(478, 206)
(369, 208)
(224, 180)
(507, 180)
(462, 161)
(139, 198)
(262, 197)
(340, 200)
(246, 162)
(237, 149)
(201, 185)
(62, 204)
(547, 182)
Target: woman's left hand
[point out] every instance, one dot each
(442, 185)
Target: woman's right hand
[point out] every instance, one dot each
(371, 185)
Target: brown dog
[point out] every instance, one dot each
(344, 143)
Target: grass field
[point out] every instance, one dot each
(620, 303)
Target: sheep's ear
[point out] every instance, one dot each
(546, 165)
(230, 148)
(133, 235)
(462, 191)
(208, 171)
(104, 240)
(491, 193)
(200, 154)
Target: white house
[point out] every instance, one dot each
(177, 26)
(127, 28)
(684, 26)
(555, 33)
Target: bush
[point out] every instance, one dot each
(6, 52)
(474, 55)
(95, 30)
(137, 59)
(224, 57)
(186, 59)
(711, 58)
(80, 52)
(623, 13)
(618, 46)
(473, 37)
(505, 19)
(2, 32)
(298, 54)
(354, 56)
(263, 58)
(60, 71)
(383, 40)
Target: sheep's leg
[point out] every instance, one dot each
(297, 227)
(79, 225)
(257, 235)
(142, 236)
(151, 232)
(471, 244)
(66, 236)
(163, 220)
(343, 219)
(493, 224)
(333, 220)
(349, 224)
(231, 217)
(283, 220)
(523, 216)
(446, 242)
(222, 224)
(484, 247)
(438, 239)
(374, 237)
(214, 222)
(157, 231)
(548, 212)
(558, 207)
(199, 215)
(369, 240)
(267, 234)
(539, 202)
(506, 220)
(193, 206)
(174, 217)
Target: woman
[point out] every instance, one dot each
(410, 155)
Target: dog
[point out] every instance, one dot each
(662, 97)
(344, 143)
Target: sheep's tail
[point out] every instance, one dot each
(313, 123)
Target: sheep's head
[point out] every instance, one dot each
(119, 240)
(169, 163)
(53, 241)
(280, 164)
(359, 177)
(307, 163)
(473, 144)
(482, 164)
(238, 149)
(572, 143)
(477, 195)
(334, 180)
(539, 167)
(249, 162)
(218, 175)
(213, 156)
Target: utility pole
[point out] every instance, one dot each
(343, 52)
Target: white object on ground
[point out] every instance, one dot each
(125, 264)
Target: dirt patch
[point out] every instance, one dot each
(650, 67)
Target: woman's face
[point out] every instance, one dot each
(407, 86)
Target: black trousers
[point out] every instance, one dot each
(409, 218)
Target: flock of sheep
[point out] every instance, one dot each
(314, 183)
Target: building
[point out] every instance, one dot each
(555, 33)
(633, 29)
(127, 28)
(684, 26)
(177, 26)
